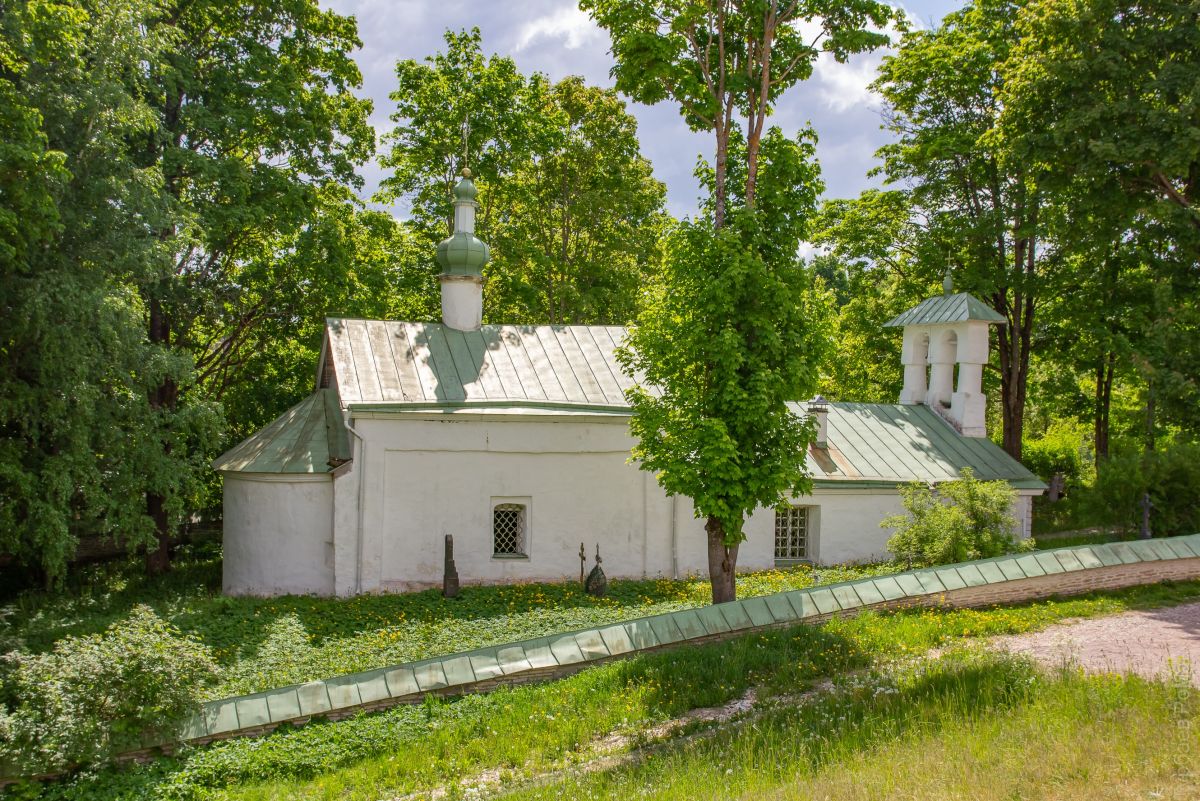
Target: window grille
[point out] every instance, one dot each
(791, 533)
(508, 529)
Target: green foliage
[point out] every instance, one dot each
(176, 195)
(258, 135)
(726, 341)
(966, 206)
(80, 442)
(727, 66)
(569, 206)
(97, 695)
(1171, 476)
(965, 519)
(579, 234)
(1106, 91)
(882, 280)
(1061, 449)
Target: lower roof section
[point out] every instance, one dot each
(310, 437)
(886, 444)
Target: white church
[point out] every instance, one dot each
(515, 440)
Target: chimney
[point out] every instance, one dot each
(462, 257)
(818, 407)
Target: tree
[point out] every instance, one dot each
(345, 261)
(727, 62)
(255, 117)
(727, 339)
(968, 205)
(577, 225)
(1106, 92)
(569, 205)
(874, 242)
(80, 445)
(461, 105)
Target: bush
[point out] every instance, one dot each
(93, 696)
(1171, 476)
(1062, 449)
(963, 520)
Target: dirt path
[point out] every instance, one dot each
(1151, 643)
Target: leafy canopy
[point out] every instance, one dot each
(568, 203)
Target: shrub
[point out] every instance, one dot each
(963, 520)
(1062, 449)
(93, 696)
(1170, 475)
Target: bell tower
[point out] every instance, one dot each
(945, 335)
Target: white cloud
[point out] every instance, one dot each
(571, 26)
(847, 86)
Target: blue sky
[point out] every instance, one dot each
(554, 37)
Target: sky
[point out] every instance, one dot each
(555, 38)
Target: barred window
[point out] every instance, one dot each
(791, 533)
(508, 529)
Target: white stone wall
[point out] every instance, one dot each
(277, 536)
(438, 475)
(379, 523)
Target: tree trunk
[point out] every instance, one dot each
(164, 396)
(722, 561)
(1055, 489)
(158, 556)
(1145, 532)
(719, 179)
(1103, 405)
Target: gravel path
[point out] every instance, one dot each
(1155, 642)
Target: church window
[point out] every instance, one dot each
(509, 529)
(791, 534)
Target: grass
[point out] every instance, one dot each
(263, 643)
(523, 731)
(972, 725)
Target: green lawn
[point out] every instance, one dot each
(972, 725)
(267, 643)
(517, 733)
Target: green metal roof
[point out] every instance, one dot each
(883, 444)
(956, 308)
(310, 437)
(409, 365)
(377, 365)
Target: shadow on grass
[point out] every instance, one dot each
(190, 596)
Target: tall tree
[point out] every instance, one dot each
(968, 205)
(80, 445)
(1108, 91)
(568, 203)
(726, 63)
(1106, 96)
(256, 113)
(577, 225)
(345, 261)
(729, 337)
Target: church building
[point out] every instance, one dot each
(515, 440)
